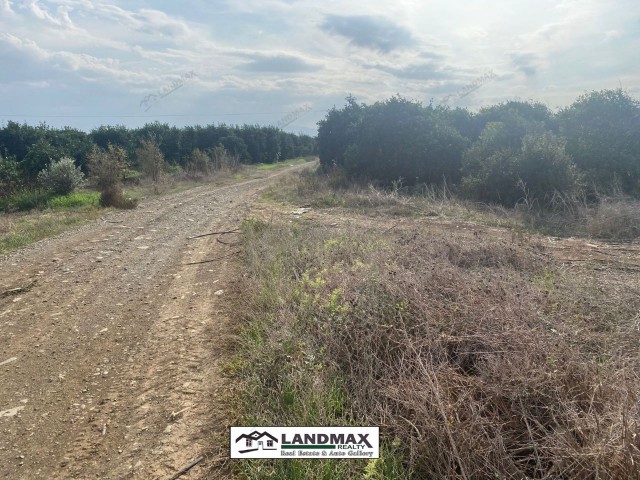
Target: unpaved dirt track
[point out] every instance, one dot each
(112, 358)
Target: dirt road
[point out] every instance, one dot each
(109, 364)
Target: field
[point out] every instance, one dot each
(485, 342)
(483, 348)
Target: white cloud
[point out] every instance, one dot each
(5, 6)
(259, 53)
(61, 19)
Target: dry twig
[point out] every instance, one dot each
(235, 230)
(186, 468)
(15, 291)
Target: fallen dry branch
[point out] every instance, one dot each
(186, 468)
(213, 259)
(17, 290)
(389, 229)
(235, 230)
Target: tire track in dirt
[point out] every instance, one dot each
(118, 344)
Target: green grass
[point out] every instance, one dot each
(35, 214)
(286, 163)
(75, 200)
(39, 199)
(21, 229)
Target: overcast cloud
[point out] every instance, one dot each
(89, 62)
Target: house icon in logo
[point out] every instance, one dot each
(255, 441)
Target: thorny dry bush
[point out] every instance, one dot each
(478, 358)
(615, 219)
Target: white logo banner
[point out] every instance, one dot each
(305, 442)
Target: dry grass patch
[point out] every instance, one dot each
(332, 191)
(615, 219)
(477, 356)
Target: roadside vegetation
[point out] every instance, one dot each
(34, 214)
(411, 283)
(614, 218)
(54, 179)
(38, 163)
(451, 325)
(510, 153)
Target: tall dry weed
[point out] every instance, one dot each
(479, 358)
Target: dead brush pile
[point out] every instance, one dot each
(615, 218)
(477, 357)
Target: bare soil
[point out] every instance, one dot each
(110, 363)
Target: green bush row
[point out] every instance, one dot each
(507, 153)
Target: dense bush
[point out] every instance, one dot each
(106, 169)
(61, 177)
(534, 173)
(506, 153)
(35, 147)
(603, 137)
(10, 179)
(336, 132)
(399, 139)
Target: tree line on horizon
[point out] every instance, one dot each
(505, 153)
(27, 150)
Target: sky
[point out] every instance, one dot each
(85, 63)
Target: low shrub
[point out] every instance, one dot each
(221, 159)
(61, 177)
(26, 199)
(615, 219)
(199, 165)
(10, 178)
(114, 197)
(106, 168)
(152, 161)
(533, 174)
(131, 177)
